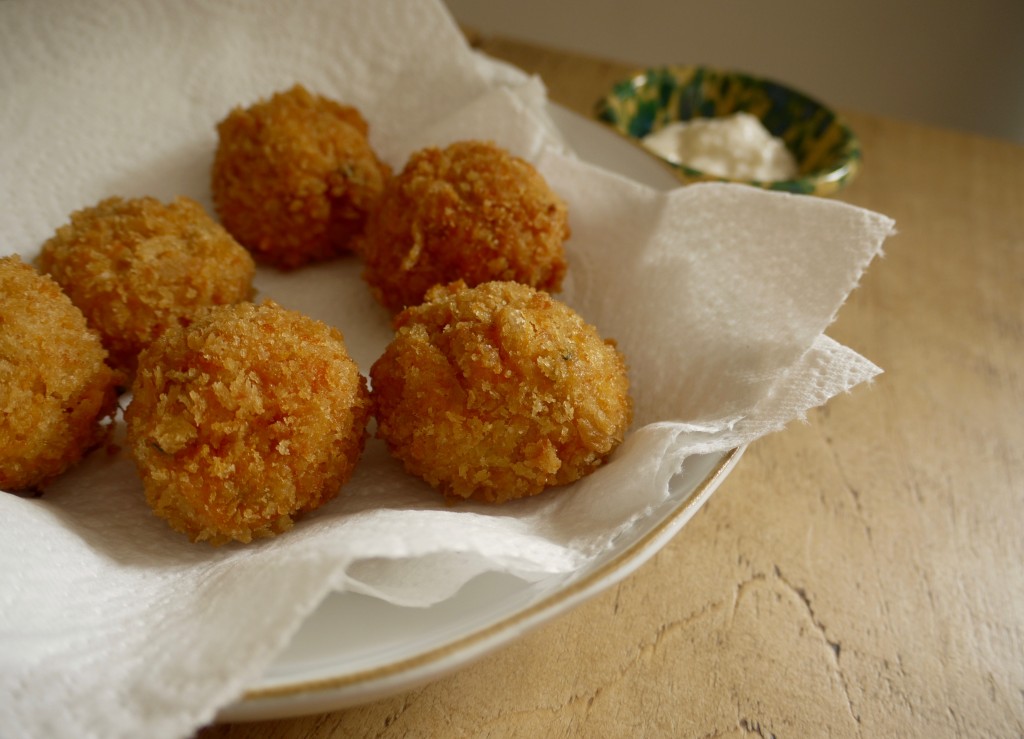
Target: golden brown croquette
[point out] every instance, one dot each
(498, 392)
(470, 212)
(294, 177)
(56, 392)
(136, 267)
(245, 419)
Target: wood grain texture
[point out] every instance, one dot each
(857, 575)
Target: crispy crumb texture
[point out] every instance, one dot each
(294, 177)
(244, 420)
(136, 267)
(499, 392)
(470, 212)
(56, 391)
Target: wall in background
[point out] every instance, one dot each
(948, 63)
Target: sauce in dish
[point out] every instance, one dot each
(736, 146)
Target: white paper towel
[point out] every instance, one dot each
(113, 625)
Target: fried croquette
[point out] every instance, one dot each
(136, 267)
(245, 419)
(56, 391)
(294, 177)
(498, 392)
(470, 212)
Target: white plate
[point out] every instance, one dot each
(355, 648)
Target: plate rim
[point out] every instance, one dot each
(335, 693)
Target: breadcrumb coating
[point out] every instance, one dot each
(136, 267)
(245, 419)
(55, 389)
(470, 212)
(499, 392)
(294, 177)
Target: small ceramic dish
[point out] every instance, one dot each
(827, 153)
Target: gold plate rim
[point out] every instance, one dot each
(635, 553)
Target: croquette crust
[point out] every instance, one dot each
(136, 267)
(499, 392)
(470, 212)
(294, 177)
(242, 421)
(55, 388)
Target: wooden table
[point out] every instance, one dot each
(857, 575)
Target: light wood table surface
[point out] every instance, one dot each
(857, 575)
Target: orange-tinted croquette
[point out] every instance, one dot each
(56, 391)
(294, 177)
(137, 266)
(499, 392)
(470, 212)
(244, 420)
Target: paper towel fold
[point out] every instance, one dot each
(113, 625)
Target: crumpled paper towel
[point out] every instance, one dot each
(113, 625)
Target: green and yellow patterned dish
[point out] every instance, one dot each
(827, 153)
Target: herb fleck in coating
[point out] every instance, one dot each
(470, 212)
(498, 392)
(55, 388)
(245, 419)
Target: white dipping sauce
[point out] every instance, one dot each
(736, 146)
